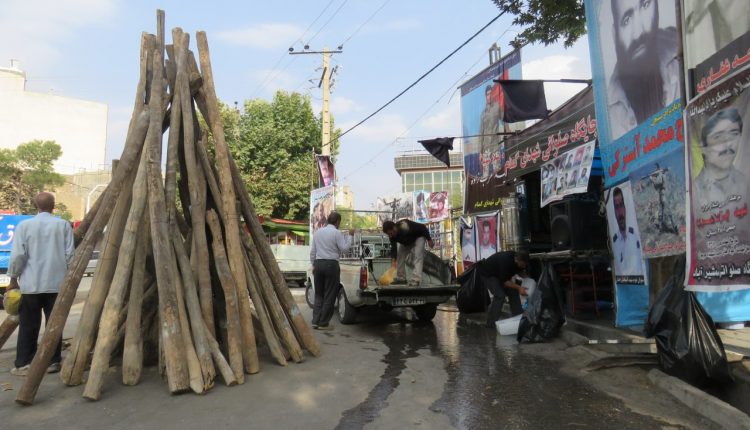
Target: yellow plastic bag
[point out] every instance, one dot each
(12, 301)
(387, 277)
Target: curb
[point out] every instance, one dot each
(723, 414)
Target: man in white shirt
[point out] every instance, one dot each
(42, 248)
(486, 247)
(327, 245)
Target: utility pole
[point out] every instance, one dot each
(325, 83)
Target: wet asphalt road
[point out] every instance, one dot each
(490, 383)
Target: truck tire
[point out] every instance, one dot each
(347, 313)
(425, 312)
(309, 295)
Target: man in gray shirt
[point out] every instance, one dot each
(327, 245)
(42, 248)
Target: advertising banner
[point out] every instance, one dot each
(421, 206)
(468, 243)
(567, 174)
(395, 207)
(327, 174)
(482, 107)
(440, 207)
(571, 125)
(659, 198)
(8, 225)
(719, 156)
(624, 236)
(322, 203)
(636, 74)
(486, 234)
(717, 40)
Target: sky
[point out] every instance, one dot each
(88, 49)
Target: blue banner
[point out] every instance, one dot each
(8, 225)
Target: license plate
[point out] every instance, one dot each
(4, 280)
(407, 301)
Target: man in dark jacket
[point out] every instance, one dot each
(497, 273)
(407, 237)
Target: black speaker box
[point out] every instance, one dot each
(576, 225)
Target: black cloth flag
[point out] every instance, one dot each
(523, 100)
(439, 148)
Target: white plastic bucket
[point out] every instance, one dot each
(508, 326)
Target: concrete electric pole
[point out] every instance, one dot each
(325, 83)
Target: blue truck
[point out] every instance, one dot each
(8, 225)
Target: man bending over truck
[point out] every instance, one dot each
(407, 237)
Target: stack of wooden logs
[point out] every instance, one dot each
(181, 280)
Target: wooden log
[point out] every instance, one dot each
(76, 268)
(171, 333)
(202, 348)
(194, 366)
(132, 354)
(201, 255)
(229, 204)
(258, 241)
(221, 363)
(7, 328)
(260, 308)
(275, 310)
(108, 325)
(234, 331)
(77, 360)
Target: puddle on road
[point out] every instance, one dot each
(491, 382)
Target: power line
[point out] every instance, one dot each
(365, 23)
(423, 76)
(327, 22)
(266, 79)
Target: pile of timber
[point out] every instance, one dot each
(180, 282)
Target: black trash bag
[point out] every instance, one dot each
(544, 315)
(472, 296)
(688, 345)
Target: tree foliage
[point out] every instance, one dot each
(546, 21)
(273, 144)
(26, 171)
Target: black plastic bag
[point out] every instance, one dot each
(688, 345)
(472, 296)
(544, 315)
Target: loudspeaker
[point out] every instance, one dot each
(576, 225)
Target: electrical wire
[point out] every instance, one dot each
(267, 79)
(327, 22)
(367, 21)
(466, 42)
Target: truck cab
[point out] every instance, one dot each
(366, 262)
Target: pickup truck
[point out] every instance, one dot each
(294, 262)
(366, 262)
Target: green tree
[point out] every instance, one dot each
(27, 170)
(273, 143)
(546, 21)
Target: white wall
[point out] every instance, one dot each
(78, 126)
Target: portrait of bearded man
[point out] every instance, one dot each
(646, 73)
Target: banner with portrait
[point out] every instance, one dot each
(326, 171)
(440, 206)
(636, 74)
(624, 235)
(468, 243)
(394, 207)
(659, 198)
(716, 40)
(567, 174)
(322, 203)
(421, 206)
(486, 233)
(482, 106)
(718, 160)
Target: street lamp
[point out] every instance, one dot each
(88, 196)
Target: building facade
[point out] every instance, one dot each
(421, 171)
(78, 126)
